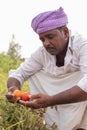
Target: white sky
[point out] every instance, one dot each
(16, 16)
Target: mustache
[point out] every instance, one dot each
(49, 48)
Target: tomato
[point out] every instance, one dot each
(25, 96)
(17, 93)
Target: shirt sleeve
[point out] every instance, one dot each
(28, 68)
(83, 65)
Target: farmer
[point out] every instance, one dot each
(57, 73)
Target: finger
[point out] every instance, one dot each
(28, 103)
(22, 102)
(10, 97)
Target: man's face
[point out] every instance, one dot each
(55, 41)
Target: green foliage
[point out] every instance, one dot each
(18, 117)
(7, 63)
(3, 79)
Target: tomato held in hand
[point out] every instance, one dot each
(25, 96)
(17, 94)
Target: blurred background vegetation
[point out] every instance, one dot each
(14, 116)
(9, 60)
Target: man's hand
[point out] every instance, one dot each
(37, 101)
(9, 94)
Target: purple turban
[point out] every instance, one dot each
(49, 20)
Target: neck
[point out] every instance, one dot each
(60, 58)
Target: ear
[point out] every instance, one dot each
(65, 32)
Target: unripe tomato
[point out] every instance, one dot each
(25, 96)
(17, 93)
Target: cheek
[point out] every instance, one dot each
(57, 43)
(60, 46)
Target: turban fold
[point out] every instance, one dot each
(49, 20)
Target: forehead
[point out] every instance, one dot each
(53, 31)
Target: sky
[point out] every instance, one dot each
(16, 17)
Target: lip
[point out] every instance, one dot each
(51, 50)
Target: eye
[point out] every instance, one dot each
(50, 36)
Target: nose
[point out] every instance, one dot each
(46, 42)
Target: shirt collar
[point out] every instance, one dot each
(70, 42)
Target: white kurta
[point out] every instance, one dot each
(75, 61)
(66, 117)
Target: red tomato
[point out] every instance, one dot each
(25, 96)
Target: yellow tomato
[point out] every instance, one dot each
(17, 94)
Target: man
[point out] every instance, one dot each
(57, 73)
